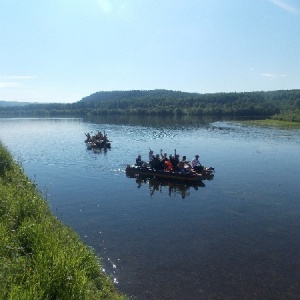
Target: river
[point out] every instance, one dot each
(234, 237)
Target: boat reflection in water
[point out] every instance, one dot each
(158, 185)
(100, 150)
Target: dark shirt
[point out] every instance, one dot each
(156, 164)
(139, 161)
(174, 161)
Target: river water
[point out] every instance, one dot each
(234, 237)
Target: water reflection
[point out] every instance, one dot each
(166, 186)
(98, 150)
(241, 241)
(156, 121)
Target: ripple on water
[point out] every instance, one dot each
(237, 236)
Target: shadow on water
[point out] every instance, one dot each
(166, 186)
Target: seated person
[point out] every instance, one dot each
(164, 158)
(155, 163)
(151, 155)
(196, 165)
(174, 161)
(168, 165)
(138, 161)
(182, 165)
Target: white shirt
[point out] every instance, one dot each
(195, 162)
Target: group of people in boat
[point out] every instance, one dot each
(163, 162)
(98, 137)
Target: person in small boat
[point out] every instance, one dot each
(165, 162)
(164, 158)
(168, 165)
(151, 155)
(139, 162)
(99, 135)
(196, 165)
(156, 164)
(88, 137)
(182, 164)
(104, 137)
(174, 161)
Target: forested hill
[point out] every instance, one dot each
(12, 103)
(134, 94)
(166, 102)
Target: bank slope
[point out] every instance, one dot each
(40, 257)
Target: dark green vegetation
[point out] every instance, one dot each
(283, 104)
(40, 258)
(290, 115)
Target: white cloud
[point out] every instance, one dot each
(10, 81)
(268, 75)
(273, 75)
(284, 5)
(17, 77)
(5, 84)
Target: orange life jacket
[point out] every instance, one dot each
(168, 165)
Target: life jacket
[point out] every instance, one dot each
(168, 165)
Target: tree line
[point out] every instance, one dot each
(283, 104)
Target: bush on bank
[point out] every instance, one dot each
(40, 258)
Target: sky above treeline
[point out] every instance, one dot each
(64, 50)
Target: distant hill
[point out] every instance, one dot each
(134, 94)
(4, 103)
(166, 102)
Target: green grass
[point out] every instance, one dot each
(274, 123)
(40, 258)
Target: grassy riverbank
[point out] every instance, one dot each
(40, 258)
(274, 123)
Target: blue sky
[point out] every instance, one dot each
(63, 50)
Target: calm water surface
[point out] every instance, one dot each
(235, 237)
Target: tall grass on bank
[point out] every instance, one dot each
(288, 116)
(273, 123)
(40, 258)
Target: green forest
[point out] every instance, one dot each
(281, 105)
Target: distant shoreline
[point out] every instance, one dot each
(281, 105)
